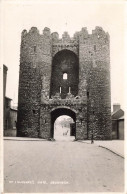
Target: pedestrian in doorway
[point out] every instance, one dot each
(92, 140)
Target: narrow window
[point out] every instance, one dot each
(60, 90)
(64, 75)
(94, 47)
(34, 48)
(88, 95)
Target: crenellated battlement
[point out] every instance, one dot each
(81, 35)
(93, 44)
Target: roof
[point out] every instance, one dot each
(121, 117)
(8, 98)
(14, 109)
(118, 114)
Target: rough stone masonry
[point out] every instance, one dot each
(64, 76)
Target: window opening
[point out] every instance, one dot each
(34, 48)
(64, 76)
(88, 95)
(33, 111)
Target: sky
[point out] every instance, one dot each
(60, 16)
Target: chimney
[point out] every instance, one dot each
(116, 107)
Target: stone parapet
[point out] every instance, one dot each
(65, 102)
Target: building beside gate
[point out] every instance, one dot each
(117, 122)
(64, 76)
(10, 118)
(9, 112)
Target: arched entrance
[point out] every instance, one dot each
(59, 112)
(63, 129)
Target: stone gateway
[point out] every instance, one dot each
(67, 76)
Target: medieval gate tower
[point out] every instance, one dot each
(67, 76)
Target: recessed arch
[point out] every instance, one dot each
(64, 50)
(65, 64)
(59, 49)
(59, 112)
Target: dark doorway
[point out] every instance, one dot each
(57, 113)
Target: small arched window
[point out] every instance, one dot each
(64, 75)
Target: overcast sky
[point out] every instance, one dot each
(63, 16)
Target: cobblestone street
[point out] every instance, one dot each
(61, 166)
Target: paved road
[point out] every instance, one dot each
(61, 166)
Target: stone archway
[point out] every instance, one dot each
(59, 112)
